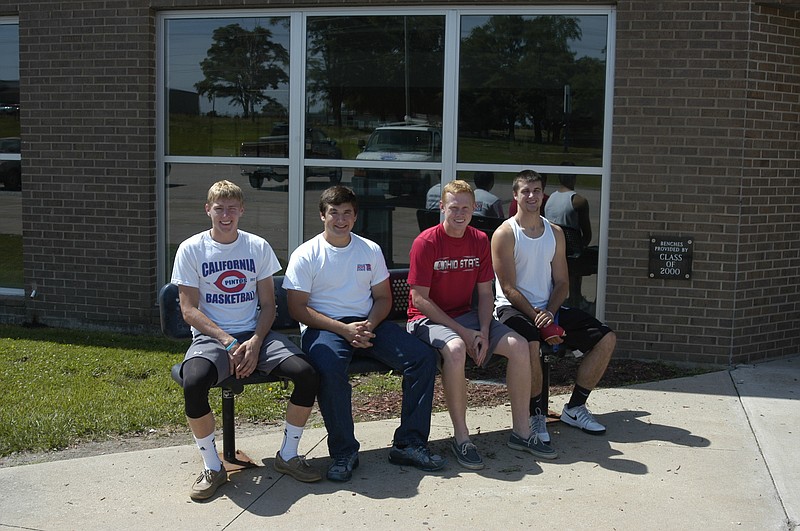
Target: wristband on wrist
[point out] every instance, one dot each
(232, 344)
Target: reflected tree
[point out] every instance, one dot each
(243, 65)
(513, 70)
(360, 63)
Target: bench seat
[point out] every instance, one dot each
(173, 326)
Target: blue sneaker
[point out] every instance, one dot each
(418, 457)
(467, 455)
(342, 467)
(532, 445)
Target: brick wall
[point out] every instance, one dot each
(706, 145)
(89, 188)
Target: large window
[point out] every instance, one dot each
(532, 89)
(10, 164)
(389, 103)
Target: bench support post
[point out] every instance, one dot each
(232, 458)
(552, 416)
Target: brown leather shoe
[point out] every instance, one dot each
(298, 468)
(207, 483)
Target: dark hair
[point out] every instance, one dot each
(568, 179)
(337, 195)
(526, 177)
(484, 180)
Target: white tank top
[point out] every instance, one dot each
(532, 257)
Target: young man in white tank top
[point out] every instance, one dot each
(532, 282)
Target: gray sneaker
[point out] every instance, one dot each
(532, 445)
(207, 483)
(582, 418)
(539, 427)
(418, 457)
(467, 455)
(342, 467)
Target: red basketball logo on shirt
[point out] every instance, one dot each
(231, 281)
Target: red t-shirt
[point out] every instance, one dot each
(450, 267)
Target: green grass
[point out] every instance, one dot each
(376, 384)
(61, 387)
(222, 135)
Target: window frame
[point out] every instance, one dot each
(449, 166)
(7, 291)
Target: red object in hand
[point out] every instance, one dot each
(550, 331)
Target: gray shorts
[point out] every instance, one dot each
(275, 348)
(437, 335)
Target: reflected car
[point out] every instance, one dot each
(401, 142)
(318, 145)
(10, 170)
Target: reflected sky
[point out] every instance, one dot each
(9, 59)
(188, 41)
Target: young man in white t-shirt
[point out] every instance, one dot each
(223, 275)
(338, 289)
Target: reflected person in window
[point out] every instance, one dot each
(486, 203)
(568, 208)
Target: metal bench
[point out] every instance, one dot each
(173, 326)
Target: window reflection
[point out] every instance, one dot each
(317, 145)
(583, 277)
(532, 89)
(362, 71)
(266, 210)
(376, 83)
(391, 223)
(531, 92)
(11, 275)
(227, 83)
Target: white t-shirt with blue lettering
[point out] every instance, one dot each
(226, 275)
(339, 280)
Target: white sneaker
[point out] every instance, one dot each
(539, 427)
(582, 418)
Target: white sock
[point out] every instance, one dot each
(208, 449)
(291, 440)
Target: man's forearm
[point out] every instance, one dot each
(314, 319)
(200, 322)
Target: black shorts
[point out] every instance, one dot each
(583, 331)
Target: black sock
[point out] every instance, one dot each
(536, 405)
(579, 396)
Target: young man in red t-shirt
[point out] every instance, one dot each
(448, 262)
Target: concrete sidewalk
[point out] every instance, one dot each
(715, 451)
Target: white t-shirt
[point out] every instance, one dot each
(226, 275)
(339, 280)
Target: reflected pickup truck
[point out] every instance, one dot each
(403, 142)
(317, 146)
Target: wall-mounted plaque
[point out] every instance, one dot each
(671, 257)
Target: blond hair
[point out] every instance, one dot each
(456, 187)
(224, 190)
